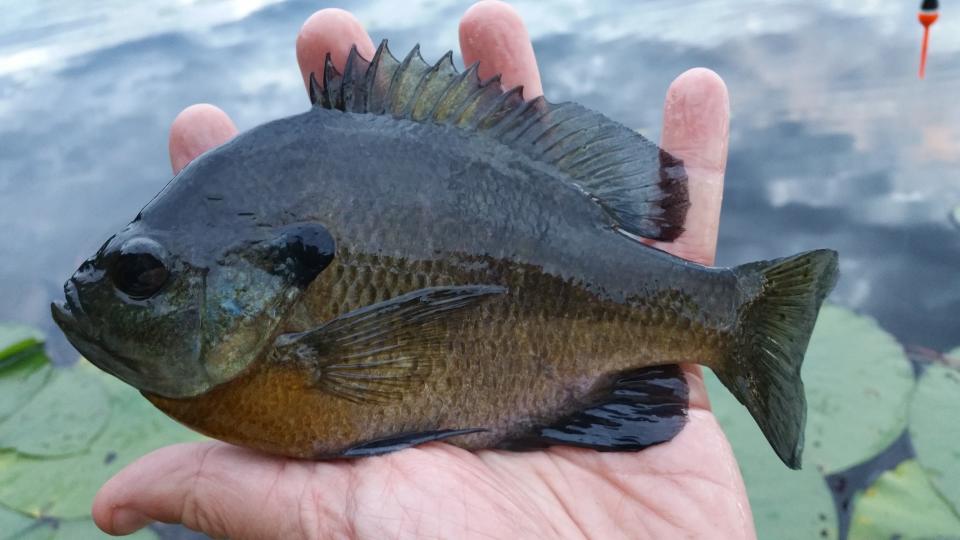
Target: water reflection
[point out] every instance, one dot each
(834, 141)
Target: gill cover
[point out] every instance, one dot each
(251, 288)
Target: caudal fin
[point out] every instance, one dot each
(775, 319)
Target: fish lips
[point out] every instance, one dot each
(69, 316)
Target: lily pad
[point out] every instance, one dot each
(15, 339)
(25, 528)
(86, 529)
(903, 504)
(65, 487)
(783, 501)
(858, 382)
(16, 526)
(935, 430)
(21, 380)
(63, 418)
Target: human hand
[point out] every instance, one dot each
(689, 487)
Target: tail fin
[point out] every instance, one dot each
(775, 319)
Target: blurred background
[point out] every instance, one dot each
(835, 142)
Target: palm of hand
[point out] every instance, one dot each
(689, 487)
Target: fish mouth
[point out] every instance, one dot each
(65, 313)
(70, 317)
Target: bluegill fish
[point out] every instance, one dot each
(423, 256)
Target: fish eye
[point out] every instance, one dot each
(138, 270)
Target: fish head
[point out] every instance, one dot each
(135, 311)
(176, 311)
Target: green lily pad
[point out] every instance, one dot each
(15, 339)
(65, 487)
(903, 504)
(86, 529)
(782, 500)
(63, 418)
(25, 528)
(21, 380)
(935, 429)
(16, 526)
(858, 382)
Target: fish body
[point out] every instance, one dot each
(422, 256)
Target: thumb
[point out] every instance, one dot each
(218, 489)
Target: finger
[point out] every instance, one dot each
(493, 34)
(696, 125)
(332, 31)
(697, 393)
(195, 130)
(219, 489)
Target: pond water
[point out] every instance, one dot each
(834, 141)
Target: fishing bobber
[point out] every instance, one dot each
(927, 16)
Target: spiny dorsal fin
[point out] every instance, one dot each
(641, 187)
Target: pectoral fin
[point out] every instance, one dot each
(376, 352)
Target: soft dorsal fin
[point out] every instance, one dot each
(641, 187)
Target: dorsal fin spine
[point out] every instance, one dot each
(381, 77)
(316, 93)
(432, 114)
(503, 107)
(469, 101)
(395, 81)
(499, 108)
(449, 103)
(331, 84)
(353, 90)
(345, 79)
(419, 92)
(510, 121)
(531, 121)
(477, 106)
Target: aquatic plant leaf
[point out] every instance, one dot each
(62, 418)
(935, 431)
(21, 380)
(786, 503)
(64, 487)
(86, 529)
(858, 382)
(15, 338)
(903, 504)
(16, 526)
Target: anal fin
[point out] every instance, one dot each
(636, 409)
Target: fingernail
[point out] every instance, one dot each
(126, 521)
